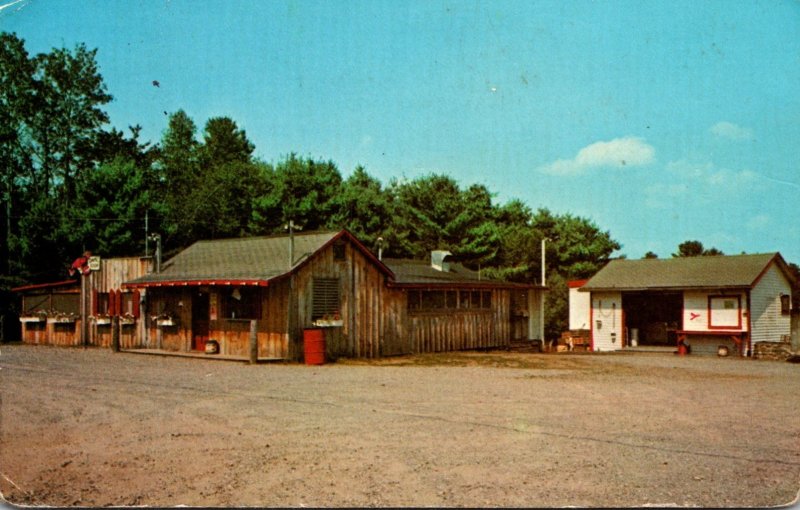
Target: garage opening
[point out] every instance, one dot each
(653, 317)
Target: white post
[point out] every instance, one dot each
(541, 299)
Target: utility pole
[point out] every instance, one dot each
(541, 300)
(157, 238)
(291, 227)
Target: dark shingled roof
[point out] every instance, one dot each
(256, 259)
(421, 273)
(737, 271)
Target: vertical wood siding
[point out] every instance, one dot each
(462, 329)
(234, 335)
(361, 290)
(112, 274)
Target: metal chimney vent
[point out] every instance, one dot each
(438, 260)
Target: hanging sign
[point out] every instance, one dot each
(94, 263)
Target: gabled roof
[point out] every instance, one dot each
(243, 261)
(420, 273)
(719, 272)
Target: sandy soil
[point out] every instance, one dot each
(94, 428)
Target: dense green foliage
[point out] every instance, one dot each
(71, 184)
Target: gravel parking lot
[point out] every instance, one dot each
(93, 428)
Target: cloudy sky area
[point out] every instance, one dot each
(660, 121)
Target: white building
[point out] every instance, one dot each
(737, 301)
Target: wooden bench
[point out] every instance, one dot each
(738, 337)
(575, 340)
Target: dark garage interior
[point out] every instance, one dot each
(652, 316)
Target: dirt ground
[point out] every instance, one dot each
(94, 428)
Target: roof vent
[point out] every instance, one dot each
(438, 260)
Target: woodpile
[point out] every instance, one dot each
(779, 351)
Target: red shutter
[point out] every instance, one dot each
(136, 310)
(94, 302)
(117, 302)
(111, 299)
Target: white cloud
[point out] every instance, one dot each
(717, 179)
(731, 131)
(696, 183)
(758, 222)
(620, 152)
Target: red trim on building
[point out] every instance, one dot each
(462, 285)
(195, 283)
(45, 285)
(738, 309)
(591, 323)
(136, 304)
(577, 284)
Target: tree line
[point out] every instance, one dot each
(71, 183)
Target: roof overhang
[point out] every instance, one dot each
(196, 283)
(42, 286)
(715, 288)
(464, 285)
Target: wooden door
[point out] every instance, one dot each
(200, 306)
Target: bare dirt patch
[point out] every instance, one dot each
(94, 428)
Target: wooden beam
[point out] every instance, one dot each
(253, 341)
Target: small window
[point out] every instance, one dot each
(325, 298)
(786, 304)
(433, 300)
(465, 301)
(101, 304)
(486, 299)
(475, 299)
(67, 303)
(242, 303)
(452, 299)
(414, 300)
(338, 251)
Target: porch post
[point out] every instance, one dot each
(115, 332)
(253, 341)
(84, 310)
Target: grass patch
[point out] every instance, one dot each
(494, 359)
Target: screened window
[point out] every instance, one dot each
(430, 300)
(242, 303)
(326, 299)
(67, 303)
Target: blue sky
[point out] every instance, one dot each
(660, 121)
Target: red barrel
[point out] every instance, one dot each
(314, 346)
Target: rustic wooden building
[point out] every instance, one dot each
(281, 286)
(51, 312)
(87, 310)
(742, 302)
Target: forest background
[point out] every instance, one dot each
(71, 183)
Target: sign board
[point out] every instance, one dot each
(94, 263)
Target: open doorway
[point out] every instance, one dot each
(200, 318)
(652, 317)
